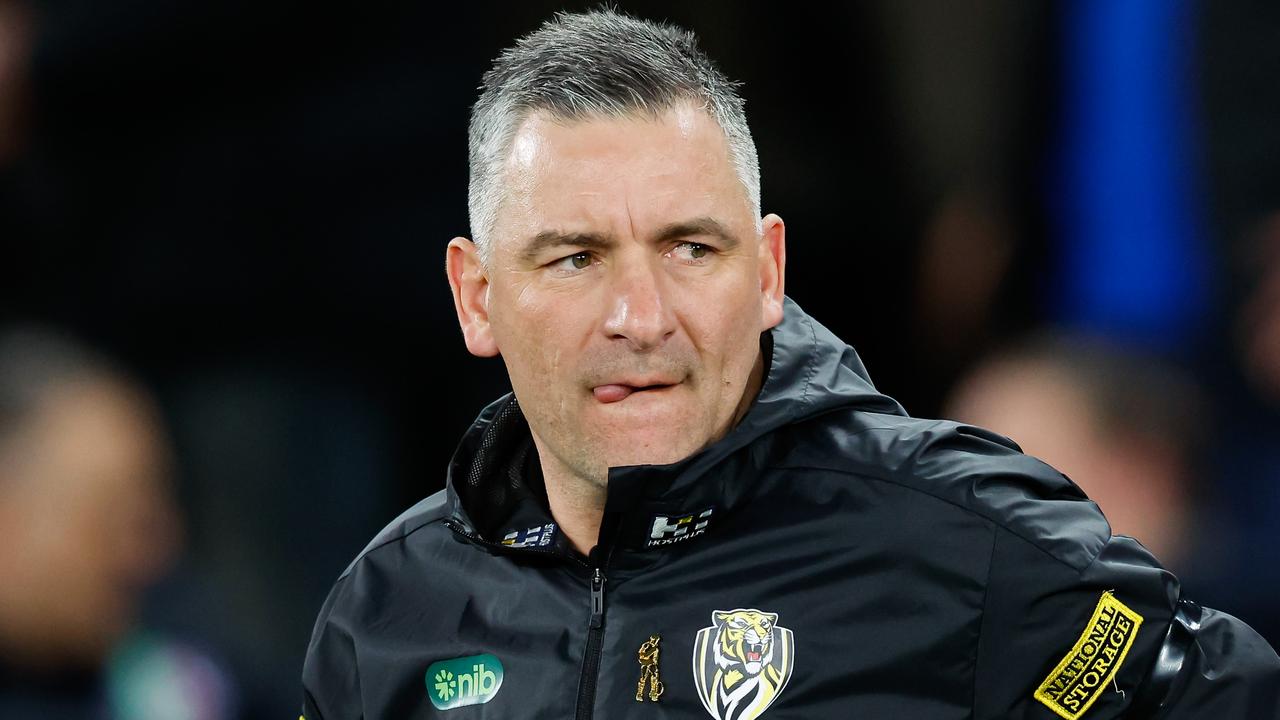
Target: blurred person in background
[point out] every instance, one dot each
(87, 524)
(1240, 358)
(1120, 423)
(1243, 459)
(1258, 321)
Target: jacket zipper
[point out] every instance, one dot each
(595, 639)
(595, 630)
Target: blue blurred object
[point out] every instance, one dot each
(1126, 198)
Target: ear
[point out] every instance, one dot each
(773, 267)
(720, 618)
(469, 281)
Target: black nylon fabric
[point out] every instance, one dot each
(908, 568)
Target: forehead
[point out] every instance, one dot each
(602, 171)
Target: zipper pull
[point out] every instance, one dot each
(597, 598)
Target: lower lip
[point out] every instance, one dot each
(608, 394)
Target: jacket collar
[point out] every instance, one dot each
(495, 481)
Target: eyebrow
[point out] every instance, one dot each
(697, 226)
(554, 238)
(595, 241)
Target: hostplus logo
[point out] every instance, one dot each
(668, 530)
(463, 681)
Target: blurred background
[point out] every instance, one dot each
(228, 354)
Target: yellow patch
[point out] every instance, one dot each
(1083, 674)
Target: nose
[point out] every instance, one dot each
(639, 307)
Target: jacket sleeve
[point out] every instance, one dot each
(1229, 672)
(1077, 623)
(1093, 639)
(330, 678)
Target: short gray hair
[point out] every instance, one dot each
(601, 63)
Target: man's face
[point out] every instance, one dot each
(626, 289)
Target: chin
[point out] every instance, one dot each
(665, 449)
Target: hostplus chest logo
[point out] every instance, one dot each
(463, 681)
(669, 530)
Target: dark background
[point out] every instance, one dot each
(248, 202)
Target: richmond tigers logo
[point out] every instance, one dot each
(742, 663)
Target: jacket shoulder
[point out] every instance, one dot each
(331, 683)
(971, 468)
(430, 509)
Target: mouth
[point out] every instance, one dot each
(753, 652)
(616, 392)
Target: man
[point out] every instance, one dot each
(88, 523)
(1124, 424)
(689, 459)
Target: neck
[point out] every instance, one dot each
(576, 503)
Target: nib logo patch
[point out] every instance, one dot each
(472, 680)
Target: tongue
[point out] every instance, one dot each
(612, 393)
(753, 655)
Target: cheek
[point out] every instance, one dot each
(535, 341)
(513, 321)
(729, 340)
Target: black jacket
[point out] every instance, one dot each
(830, 557)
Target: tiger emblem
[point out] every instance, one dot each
(742, 663)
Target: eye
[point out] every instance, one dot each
(692, 251)
(576, 261)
